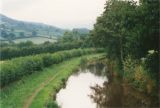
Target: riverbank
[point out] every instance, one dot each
(17, 94)
(122, 90)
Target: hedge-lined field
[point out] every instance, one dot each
(16, 68)
(20, 50)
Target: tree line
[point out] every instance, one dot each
(70, 40)
(129, 32)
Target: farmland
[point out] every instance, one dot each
(36, 40)
(34, 72)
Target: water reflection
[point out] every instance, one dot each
(108, 96)
(116, 94)
(77, 91)
(95, 87)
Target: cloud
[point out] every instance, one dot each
(62, 13)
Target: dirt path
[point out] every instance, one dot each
(42, 85)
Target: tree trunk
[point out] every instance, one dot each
(121, 50)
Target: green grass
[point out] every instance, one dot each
(16, 94)
(2, 62)
(36, 40)
(64, 72)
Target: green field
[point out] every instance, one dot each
(36, 40)
(18, 94)
(1, 62)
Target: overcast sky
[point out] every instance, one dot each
(61, 13)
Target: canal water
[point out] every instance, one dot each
(78, 90)
(94, 86)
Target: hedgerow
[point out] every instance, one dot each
(16, 68)
(13, 51)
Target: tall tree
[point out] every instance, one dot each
(110, 30)
(126, 28)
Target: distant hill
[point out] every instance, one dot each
(25, 29)
(19, 31)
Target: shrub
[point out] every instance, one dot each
(129, 68)
(48, 60)
(12, 51)
(52, 104)
(17, 68)
(151, 62)
(84, 60)
(140, 75)
(32, 64)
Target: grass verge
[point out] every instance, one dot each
(16, 94)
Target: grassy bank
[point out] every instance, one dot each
(23, 66)
(16, 95)
(48, 93)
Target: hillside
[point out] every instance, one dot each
(21, 31)
(15, 28)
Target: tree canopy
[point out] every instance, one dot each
(128, 28)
